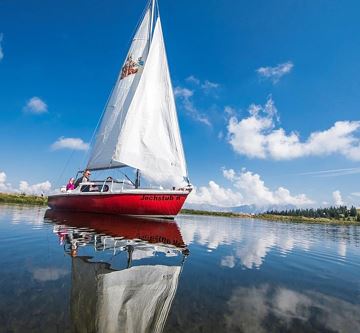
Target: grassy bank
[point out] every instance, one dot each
(22, 199)
(270, 217)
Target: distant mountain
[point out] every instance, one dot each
(211, 208)
(248, 209)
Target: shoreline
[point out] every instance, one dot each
(33, 200)
(272, 218)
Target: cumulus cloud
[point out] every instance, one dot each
(338, 201)
(1, 49)
(185, 96)
(36, 105)
(257, 137)
(247, 189)
(213, 194)
(24, 186)
(275, 73)
(3, 186)
(70, 143)
(255, 192)
(40, 188)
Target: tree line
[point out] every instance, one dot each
(330, 212)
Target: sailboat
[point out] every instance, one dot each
(138, 129)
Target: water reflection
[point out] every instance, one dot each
(95, 273)
(117, 283)
(252, 309)
(249, 241)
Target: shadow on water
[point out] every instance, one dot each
(110, 292)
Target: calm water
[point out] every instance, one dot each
(86, 273)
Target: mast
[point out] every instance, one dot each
(138, 175)
(152, 19)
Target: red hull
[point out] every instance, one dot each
(165, 204)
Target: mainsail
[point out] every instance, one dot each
(120, 98)
(140, 127)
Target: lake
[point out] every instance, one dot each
(95, 273)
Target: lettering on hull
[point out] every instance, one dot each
(153, 197)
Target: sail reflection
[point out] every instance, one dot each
(125, 271)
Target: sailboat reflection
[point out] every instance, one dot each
(118, 284)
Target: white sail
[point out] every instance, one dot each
(150, 137)
(140, 127)
(115, 113)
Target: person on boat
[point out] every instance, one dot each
(70, 185)
(84, 179)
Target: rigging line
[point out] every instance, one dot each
(96, 128)
(65, 166)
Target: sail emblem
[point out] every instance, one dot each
(131, 66)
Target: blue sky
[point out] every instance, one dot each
(267, 93)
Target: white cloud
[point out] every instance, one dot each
(207, 85)
(357, 194)
(3, 186)
(70, 143)
(40, 188)
(255, 192)
(213, 194)
(24, 186)
(247, 189)
(36, 106)
(229, 111)
(258, 137)
(192, 79)
(183, 92)
(338, 201)
(185, 95)
(275, 73)
(1, 49)
(2, 177)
